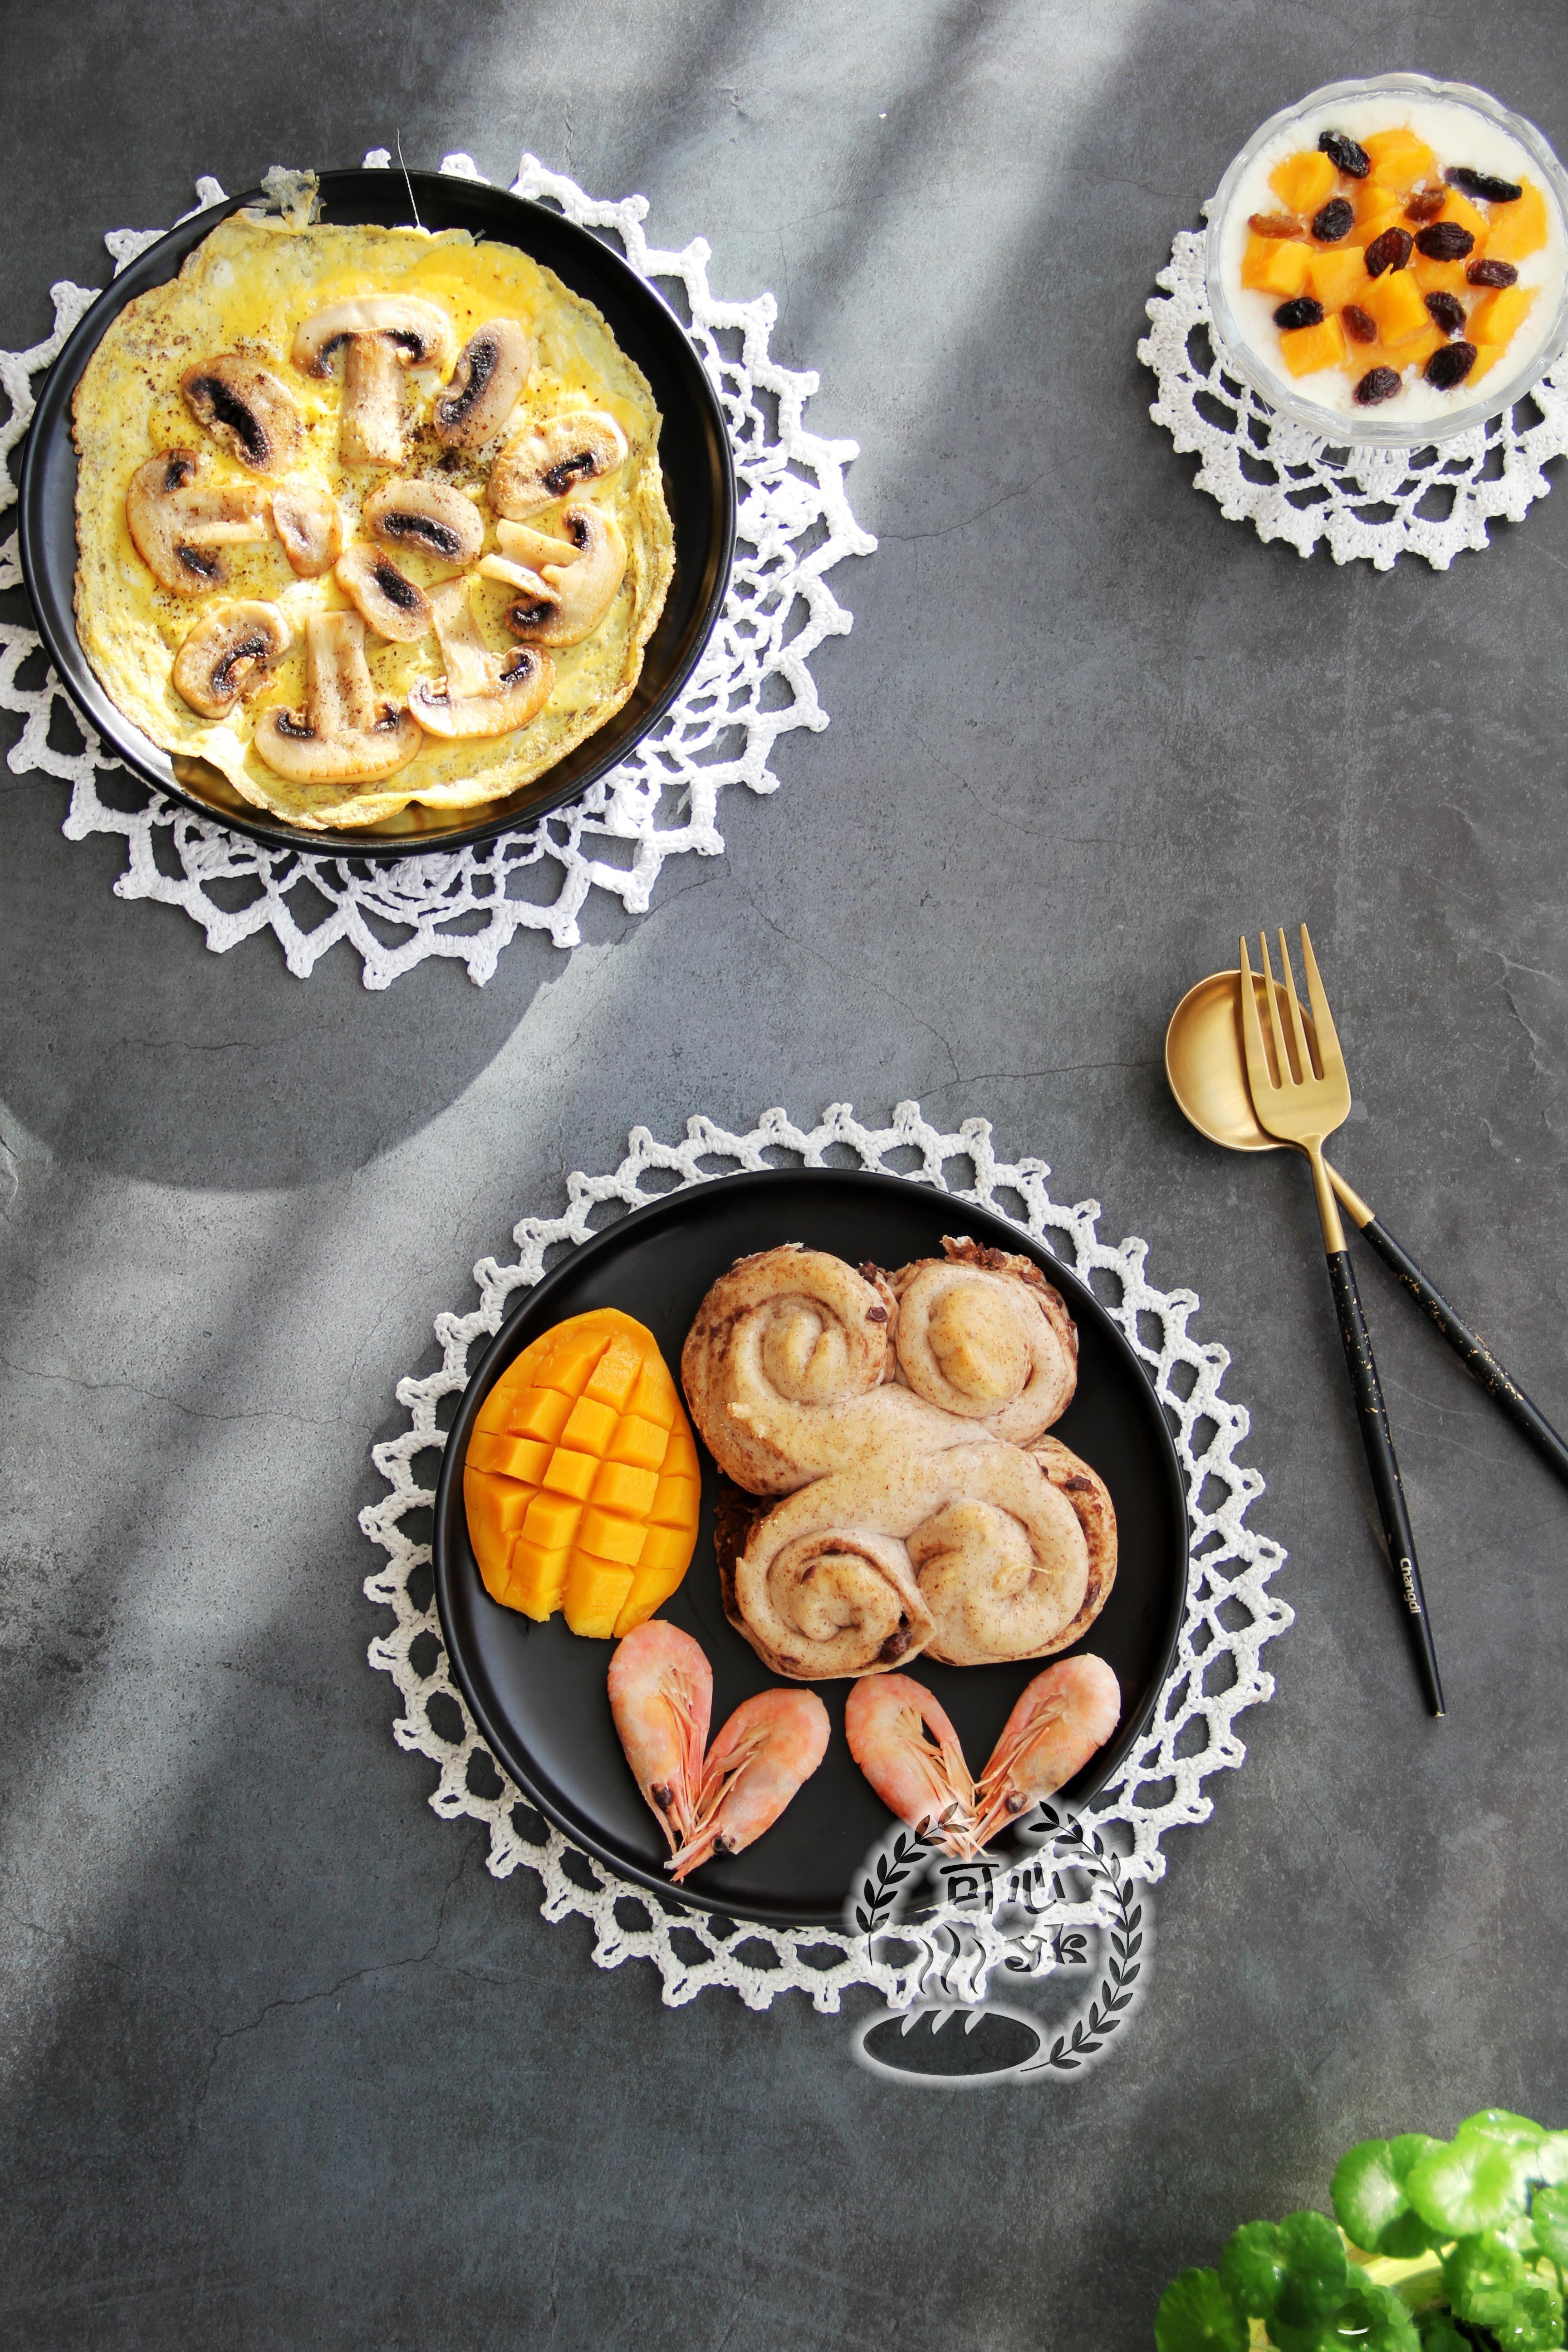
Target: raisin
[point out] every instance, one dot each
(1485, 185)
(1360, 327)
(1273, 225)
(1389, 251)
(1330, 225)
(1380, 383)
(1447, 311)
(1491, 273)
(1425, 204)
(1302, 313)
(1344, 154)
(1445, 241)
(1451, 365)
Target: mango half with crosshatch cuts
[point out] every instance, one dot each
(581, 1480)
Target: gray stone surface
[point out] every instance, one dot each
(283, 2066)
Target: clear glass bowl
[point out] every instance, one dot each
(1347, 428)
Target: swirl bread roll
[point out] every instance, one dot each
(824, 1589)
(982, 1335)
(1000, 1558)
(789, 1372)
(977, 1555)
(1089, 1496)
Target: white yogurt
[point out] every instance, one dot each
(1457, 135)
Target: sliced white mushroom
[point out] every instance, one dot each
(230, 653)
(177, 525)
(382, 595)
(246, 410)
(522, 553)
(305, 519)
(343, 736)
(564, 602)
(553, 455)
(525, 545)
(379, 338)
(492, 368)
(482, 693)
(430, 517)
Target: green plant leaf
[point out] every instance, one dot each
(1497, 2122)
(1483, 2275)
(1550, 2160)
(1252, 2268)
(1534, 2321)
(1548, 2219)
(1197, 2315)
(1466, 2185)
(1439, 2334)
(1370, 2199)
(1293, 2339)
(1316, 2274)
(1370, 2319)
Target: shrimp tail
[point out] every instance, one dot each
(705, 1833)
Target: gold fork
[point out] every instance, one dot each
(1302, 1105)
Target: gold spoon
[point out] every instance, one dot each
(1206, 1066)
(1206, 1063)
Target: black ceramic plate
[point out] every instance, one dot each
(699, 484)
(537, 1692)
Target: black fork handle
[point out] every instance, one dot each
(1473, 1353)
(1385, 1469)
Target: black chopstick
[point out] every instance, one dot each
(1473, 1352)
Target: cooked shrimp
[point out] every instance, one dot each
(771, 1745)
(902, 1740)
(661, 1697)
(1064, 1716)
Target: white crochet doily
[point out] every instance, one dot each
(1264, 468)
(1229, 1613)
(752, 684)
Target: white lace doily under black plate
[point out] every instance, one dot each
(752, 684)
(1154, 1784)
(1433, 501)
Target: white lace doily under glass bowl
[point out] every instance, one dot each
(753, 684)
(1229, 1613)
(1377, 499)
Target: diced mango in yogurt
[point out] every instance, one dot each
(1518, 230)
(1458, 209)
(1303, 182)
(1499, 316)
(1337, 275)
(1274, 265)
(1362, 358)
(1399, 159)
(1390, 214)
(1305, 350)
(1394, 301)
(1439, 276)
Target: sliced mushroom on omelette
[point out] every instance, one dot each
(302, 468)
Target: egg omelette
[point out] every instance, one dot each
(238, 378)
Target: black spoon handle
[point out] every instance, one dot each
(1385, 1469)
(1473, 1353)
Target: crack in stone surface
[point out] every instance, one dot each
(327, 1992)
(192, 1412)
(808, 948)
